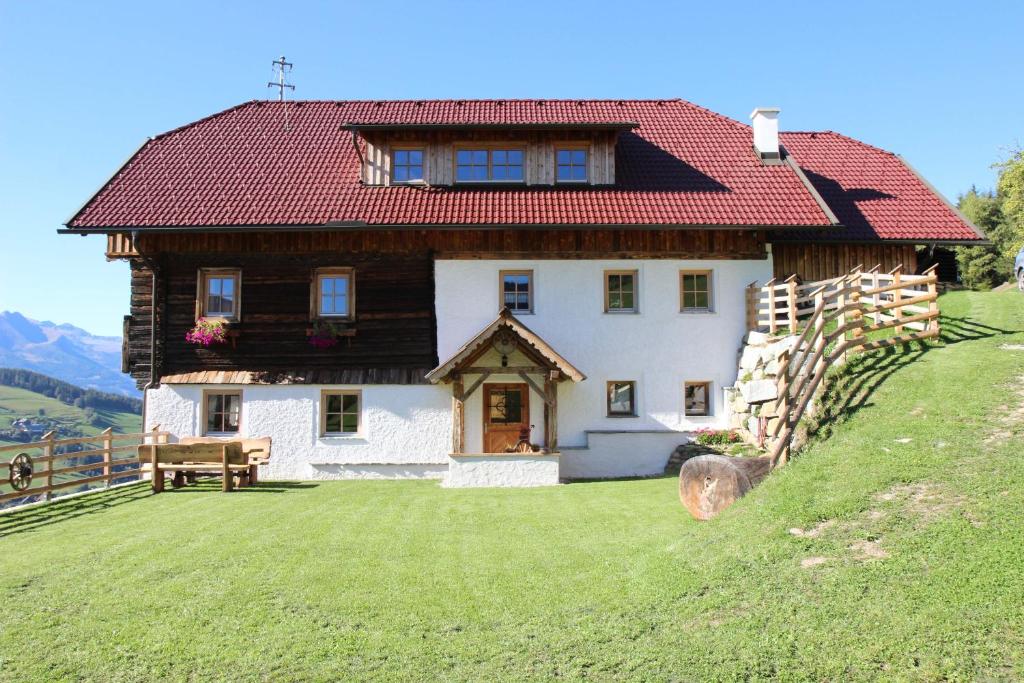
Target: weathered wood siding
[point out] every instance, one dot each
(539, 146)
(822, 261)
(395, 340)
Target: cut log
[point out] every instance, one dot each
(710, 483)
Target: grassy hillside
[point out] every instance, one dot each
(16, 403)
(892, 550)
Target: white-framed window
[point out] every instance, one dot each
(621, 398)
(407, 165)
(697, 399)
(571, 165)
(696, 294)
(334, 293)
(620, 291)
(222, 411)
(340, 412)
(516, 290)
(503, 165)
(219, 293)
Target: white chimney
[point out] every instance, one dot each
(766, 132)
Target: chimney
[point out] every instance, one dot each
(766, 134)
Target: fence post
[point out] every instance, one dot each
(48, 452)
(874, 285)
(752, 306)
(897, 295)
(858, 311)
(108, 453)
(933, 303)
(791, 302)
(782, 394)
(770, 288)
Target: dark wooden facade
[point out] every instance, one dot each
(820, 261)
(395, 328)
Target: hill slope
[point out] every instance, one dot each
(38, 414)
(64, 351)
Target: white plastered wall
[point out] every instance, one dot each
(405, 431)
(659, 348)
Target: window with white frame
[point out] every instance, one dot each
(571, 165)
(517, 290)
(407, 165)
(489, 165)
(335, 293)
(219, 293)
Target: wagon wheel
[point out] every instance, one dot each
(21, 471)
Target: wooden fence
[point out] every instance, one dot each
(54, 466)
(859, 311)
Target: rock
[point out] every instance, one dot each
(752, 424)
(750, 358)
(755, 338)
(772, 367)
(759, 391)
(757, 374)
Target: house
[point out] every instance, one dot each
(565, 273)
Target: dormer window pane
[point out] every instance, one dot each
(407, 165)
(471, 164)
(482, 165)
(507, 164)
(572, 165)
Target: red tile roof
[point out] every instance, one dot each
(291, 164)
(874, 193)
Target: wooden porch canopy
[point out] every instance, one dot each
(506, 335)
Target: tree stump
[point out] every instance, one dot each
(710, 483)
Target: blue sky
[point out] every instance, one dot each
(83, 84)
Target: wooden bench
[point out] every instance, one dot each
(256, 450)
(225, 458)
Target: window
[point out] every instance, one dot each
(334, 293)
(221, 411)
(571, 165)
(517, 290)
(406, 165)
(339, 412)
(483, 165)
(697, 398)
(620, 291)
(621, 399)
(219, 294)
(695, 290)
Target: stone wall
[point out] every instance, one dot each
(754, 395)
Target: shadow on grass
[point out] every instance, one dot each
(956, 330)
(43, 514)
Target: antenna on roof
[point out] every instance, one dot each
(282, 68)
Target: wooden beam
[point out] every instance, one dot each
(533, 385)
(551, 415)
(458, 417)
(535, 369)
(476, 385)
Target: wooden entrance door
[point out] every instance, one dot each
(506, 414)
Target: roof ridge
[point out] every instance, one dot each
(468, 99)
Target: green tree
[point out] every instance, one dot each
(1000, 216)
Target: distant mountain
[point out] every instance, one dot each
(63, 351)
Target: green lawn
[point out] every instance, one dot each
(909, 565)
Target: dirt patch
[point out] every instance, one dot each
(867, 550)
(809, 562)
(814, 531)
(1012, 347)
(1008, 419)
(922, 500)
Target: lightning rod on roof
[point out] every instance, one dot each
(281, 68)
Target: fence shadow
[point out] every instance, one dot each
(851, 388)
(956, 330)
(43, 514)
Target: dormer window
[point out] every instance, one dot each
(407, 165)
(572, 165)
(489, 165)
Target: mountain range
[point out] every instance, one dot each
(64, 351)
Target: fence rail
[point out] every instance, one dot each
(34, 472)
(859, 311)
